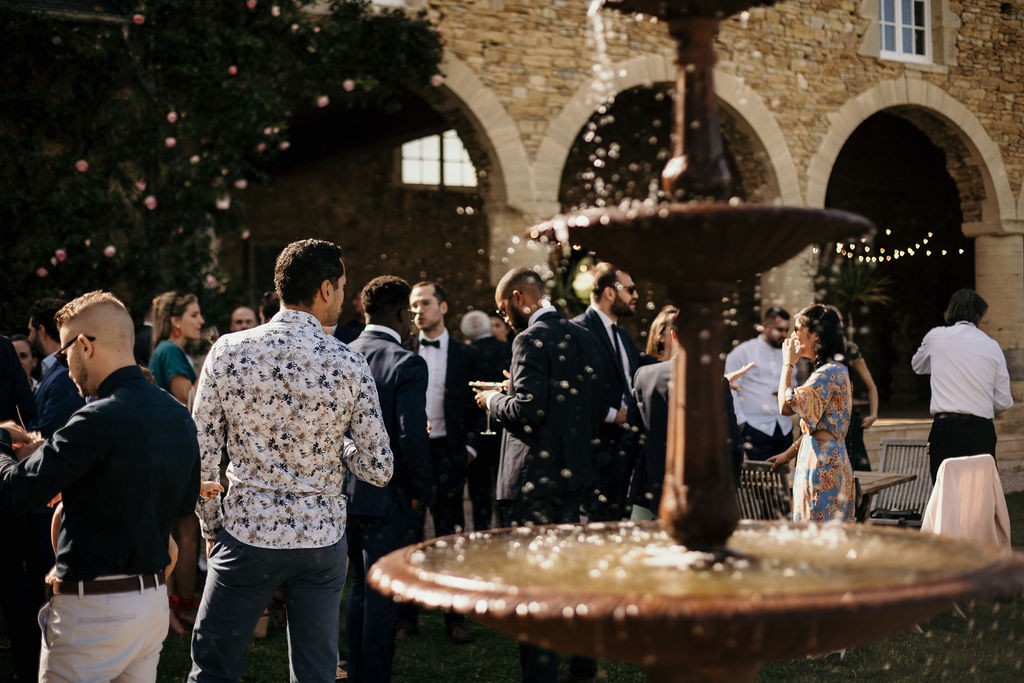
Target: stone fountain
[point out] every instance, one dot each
(703, 597)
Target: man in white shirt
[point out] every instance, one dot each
(453, 419)
(765, 432)
(970, 383)
(293, 408)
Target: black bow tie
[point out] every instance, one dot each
(426, 342)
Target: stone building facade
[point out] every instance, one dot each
(799, 85)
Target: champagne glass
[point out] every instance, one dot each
(493, 386)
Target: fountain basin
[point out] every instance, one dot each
(627, 591)
(700, 243)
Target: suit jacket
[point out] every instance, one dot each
(401, 379)
(650, 410)
(57, 399)
(495, 357)
(143, 344)
(15, 391)
(551, 412)
(348, 332)
(614, 379)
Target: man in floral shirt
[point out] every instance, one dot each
(282, 399)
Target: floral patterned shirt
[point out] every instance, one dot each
(290, 405)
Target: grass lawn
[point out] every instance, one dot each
(986, 646)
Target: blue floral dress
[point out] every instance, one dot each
(823, 483)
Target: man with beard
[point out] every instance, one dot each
(57, 398)
(765, 432)
(550, 413)
(613, 296)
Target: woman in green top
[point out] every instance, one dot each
(177, 321)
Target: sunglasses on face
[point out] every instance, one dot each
(62, 353)
(631, 289)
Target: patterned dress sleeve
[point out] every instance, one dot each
(809, 400)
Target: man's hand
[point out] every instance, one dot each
(736, 374)
(482, 395)
(28, 449)
(620, 417)
(209, 546)
(18, 434)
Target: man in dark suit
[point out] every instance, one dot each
(613, 296)
(453, 421)
(550, 416)
(57, 397)
(144, 338)
(381, 520)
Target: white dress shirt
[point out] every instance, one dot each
(757, 404)
(437, 368)
(968, 371)
(623, 358)
(384, 329)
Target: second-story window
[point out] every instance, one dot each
(437, 160)
(905, 28)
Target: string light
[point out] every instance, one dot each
(862, 252)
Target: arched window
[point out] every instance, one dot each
(437, 160)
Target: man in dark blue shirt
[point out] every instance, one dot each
(126, 465)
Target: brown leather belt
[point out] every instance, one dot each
(125, 585)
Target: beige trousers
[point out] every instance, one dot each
(94, 638)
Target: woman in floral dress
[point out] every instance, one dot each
(823, 483)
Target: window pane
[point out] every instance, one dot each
(919, 18)
(411, 172)
(411, 150)
(889, 38)
(431, 174)
(905, 14)
(908, 41)
(431, 148)
(919, 43)
(888, 10)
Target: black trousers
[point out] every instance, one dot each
(760, 446)
(954, 435)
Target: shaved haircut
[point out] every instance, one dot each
(100, 311)
(523, 279)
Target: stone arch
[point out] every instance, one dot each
(496, 132)
(996, 207)
(647, 70)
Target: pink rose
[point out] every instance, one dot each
(323, 101)
(194, 159)
(42, 272)
(275, 11)
(109, 251)
(170, 142)
(262, 147)
(295, 28)
(150, 202)
(140, 185)
(224, 203)
(436, 80)
(251, 4)
(284, 145)
(172, 117)
(349, 85)
(246, 234)
(210, 282)
(61, 254)
(81, 165)
(138, 20)
(241, 183)
(232, 70)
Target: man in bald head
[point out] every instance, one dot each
(121, 489)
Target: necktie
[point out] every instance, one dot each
(618, 353)
(436, 343)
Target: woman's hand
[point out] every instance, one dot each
(791, 349)
(868, 421)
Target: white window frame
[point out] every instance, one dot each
(900, 25)
(440, 159)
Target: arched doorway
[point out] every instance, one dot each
(906, 171)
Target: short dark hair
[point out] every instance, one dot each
(520, 278)
(302, 267)
(386, 295)
(605, 275)
(438, 289)
(43, 314)
(826, 323)
(270, 304)
(774, 312)
(965, 305)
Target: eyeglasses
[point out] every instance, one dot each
(631, 289)
(62, 353)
